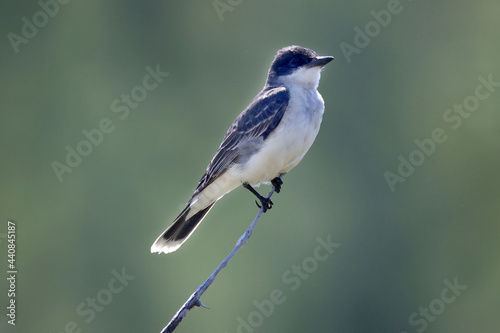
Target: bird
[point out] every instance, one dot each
(267, 140)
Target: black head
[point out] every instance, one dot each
(291, 58)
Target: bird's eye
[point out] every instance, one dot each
(294, 62)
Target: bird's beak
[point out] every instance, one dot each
(320, 61)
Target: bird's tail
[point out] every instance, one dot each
(180, 230)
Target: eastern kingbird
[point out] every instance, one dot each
(266, 140)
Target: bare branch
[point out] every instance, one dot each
(194, 299)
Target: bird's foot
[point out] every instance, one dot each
(266, 203)
(277, 182)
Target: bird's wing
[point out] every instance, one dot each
(258, 120)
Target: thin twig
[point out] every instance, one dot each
(194, 299)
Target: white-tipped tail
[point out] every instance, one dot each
(180, 230)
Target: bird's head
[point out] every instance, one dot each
(296, 65)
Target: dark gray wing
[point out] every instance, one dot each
(258, 120)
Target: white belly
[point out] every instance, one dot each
(287, 145)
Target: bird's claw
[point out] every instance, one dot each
(277, 182)
(267, 203)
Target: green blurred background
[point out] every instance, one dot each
(396, 247)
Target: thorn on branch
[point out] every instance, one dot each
(200, 304)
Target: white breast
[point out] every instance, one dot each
(287, 145)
